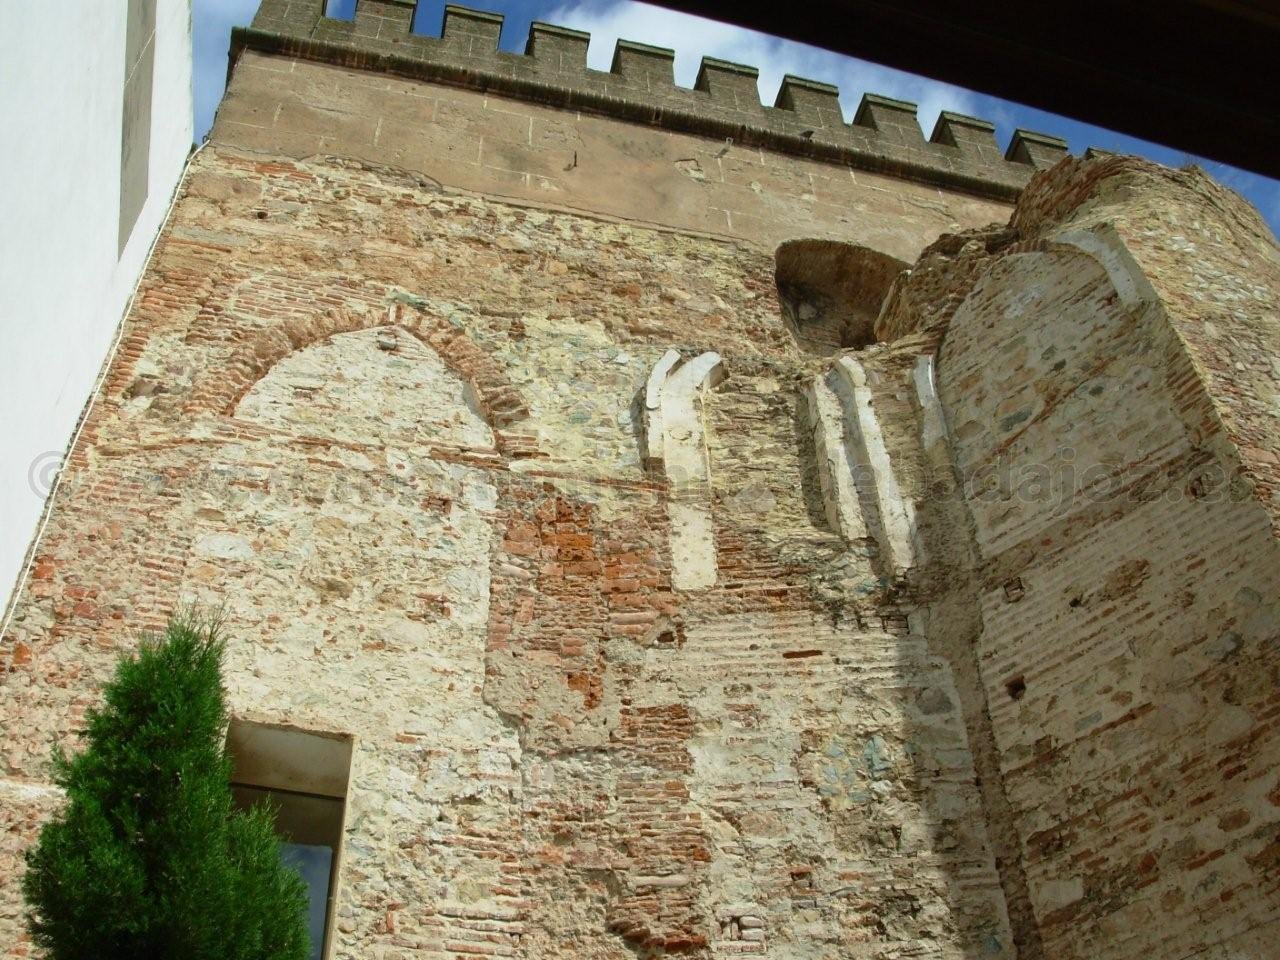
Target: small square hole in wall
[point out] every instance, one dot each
(1013, 590)
(663, 634)
(1016, 687)
(303, 776)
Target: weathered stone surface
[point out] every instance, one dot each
(1125, 551)
(594, 164)
(403, 442)
(980, 662)
(723, 106)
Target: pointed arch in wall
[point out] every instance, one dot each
(220, 390)
(381, 386)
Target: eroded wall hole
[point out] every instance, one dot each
(831, 292)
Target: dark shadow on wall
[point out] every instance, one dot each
(831, 292)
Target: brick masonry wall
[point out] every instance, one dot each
(396, 430)
(1126, 559)
(386, 402)
(1226, 312)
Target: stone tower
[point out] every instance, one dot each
(626, 553)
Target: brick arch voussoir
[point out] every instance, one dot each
(499, 397)
(500, 401)
(222, 388)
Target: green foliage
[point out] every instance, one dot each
(149, 858)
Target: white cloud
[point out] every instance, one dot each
(693, 37)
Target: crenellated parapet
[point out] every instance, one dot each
(805, 119)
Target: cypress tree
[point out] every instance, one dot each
(149, 858)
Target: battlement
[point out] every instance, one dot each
(805, 119)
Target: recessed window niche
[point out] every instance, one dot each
(303, 776)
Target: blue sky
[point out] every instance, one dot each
(692, 37)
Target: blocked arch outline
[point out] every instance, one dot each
(221, 389)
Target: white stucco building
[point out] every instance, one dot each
(95, 109)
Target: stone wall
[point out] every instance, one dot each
(806, 120)
(596, 164)
(1126, 564)
(399, 433)
(681, 597)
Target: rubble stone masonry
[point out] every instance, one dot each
(681, 599)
